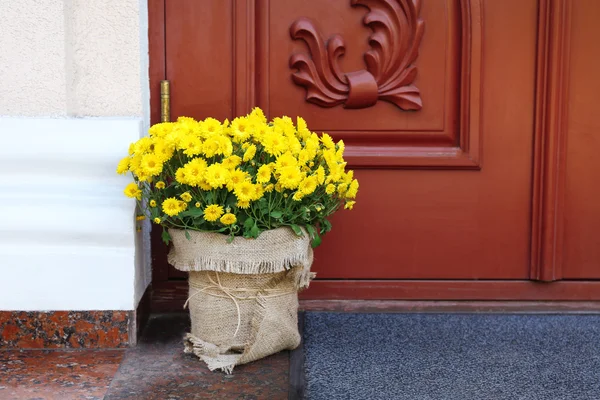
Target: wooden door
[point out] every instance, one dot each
(455, 115)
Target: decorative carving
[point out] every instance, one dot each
(397, 32)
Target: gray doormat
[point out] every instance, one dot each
(451, 356)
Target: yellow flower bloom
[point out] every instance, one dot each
(151, 165)
(152, 203)
(213, 212)
(297, 196)
(160, 185)
(258, 192)
(285, 160)
(250, 152)
(269, 188)
(123, 166)
(239, 128)
(352, 189)
(243, 204)
(327, 141)
(163, 150)
(180, 176)
(274, 143)
(231, 162)
(342, 188)
(157, 220)
(197, 204)
(217, 176)
(186, 196)
(330, 189)
(290, 177)
(132, 190)
(191, 145)
(349, 205)
(320, 175)
(140, 218)
(228, 219)
(171, 206)
(308, 185)
(237, 176)
(211, 126)
(244, 191)
(264, 174)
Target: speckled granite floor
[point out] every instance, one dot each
(156, 369)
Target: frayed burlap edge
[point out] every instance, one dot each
(273, 251)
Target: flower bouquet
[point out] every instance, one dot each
(244, 202)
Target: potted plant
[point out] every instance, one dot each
(243, 202)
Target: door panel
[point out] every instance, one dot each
(582, 190)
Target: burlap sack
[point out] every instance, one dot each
(243, 296)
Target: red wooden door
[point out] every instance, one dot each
(455, 116)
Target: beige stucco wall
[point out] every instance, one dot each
(73, 58)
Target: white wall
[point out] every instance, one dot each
(75, 94)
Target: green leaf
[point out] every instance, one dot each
(297, 230)
(254, 231)
(192, 212)
(276, 214)
(316, 239)
(187, 235)
(165, 236)
(325, 226)
(248, 223)
(230, 238)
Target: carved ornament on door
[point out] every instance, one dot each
(390, 73)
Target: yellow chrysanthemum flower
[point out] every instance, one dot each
(228, 219)
(244, 191)
(203, 184)
(152, 203)
(211, 126)
(193, 172)
(330, 189)
(249, 153)
(290, 177)
(308, 185)
(191, 145)
(160, 185)
(274, 143)
(243, 204)
(285, 160)
(163, 150)
(352, 189)
(297, 196)
(213, 212)
(342, 188)
(151, 165)
(217, 176)
(197, 204)
(231, 162)
(180, 176)
(157, 220)
(327, 141)
(171, 206)
(186, 196)
(239, 129)
(269, 188)
(320, 175)
(140, 218)
(259, 192)
(349, 205)
(132, 190)
(264, 174)
(123, 166)
(237, 176)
